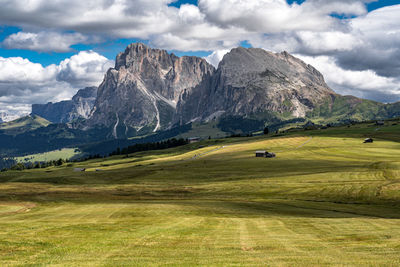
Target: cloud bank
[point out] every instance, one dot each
(23, 82)
(358, 52)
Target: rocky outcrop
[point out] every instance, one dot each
(140, 94)
(252, 81)
(67, 111)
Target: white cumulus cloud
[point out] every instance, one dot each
(84, 69)
(23, 83)
(43, 41)
(365, 83)
(215, 57)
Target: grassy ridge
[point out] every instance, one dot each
(327, 199)
(27, 123)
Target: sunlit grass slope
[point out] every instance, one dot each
(66, 153)
(23, 124)
(327, 199)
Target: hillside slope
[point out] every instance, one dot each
(23, 124)
(326, 199)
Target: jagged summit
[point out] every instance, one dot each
(140, 94)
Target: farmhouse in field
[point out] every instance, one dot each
(368, 140)
(264, 154)
(193, 140)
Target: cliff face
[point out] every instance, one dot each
(67, 111)
(253, 81)
(140, 94)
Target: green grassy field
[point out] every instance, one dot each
(327, 199)
(66, 153)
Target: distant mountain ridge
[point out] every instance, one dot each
(67, 111)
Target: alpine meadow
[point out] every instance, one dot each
(200, 133)
(326, 199)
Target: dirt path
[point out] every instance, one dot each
(197, 156)
(297, 147)
(305, 143)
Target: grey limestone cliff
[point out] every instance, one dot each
(253, 81)
(140, 94)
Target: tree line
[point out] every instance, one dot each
(170, 143)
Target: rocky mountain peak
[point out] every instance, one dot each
(135, 53)
(150, 89)
(142, 91)
(251, 81)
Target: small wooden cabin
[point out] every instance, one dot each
(193, 140)
(261, 154)
(264, 154)
(368, 140)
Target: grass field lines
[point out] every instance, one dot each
(323, 201)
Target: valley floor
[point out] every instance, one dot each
(329, 200)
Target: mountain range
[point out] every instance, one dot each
(150, 91)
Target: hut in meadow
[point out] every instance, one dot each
(264, 154)
(368, 140)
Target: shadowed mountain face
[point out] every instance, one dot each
(140, 94)
(67, 111)
(253, 81)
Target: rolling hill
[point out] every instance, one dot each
(326, 199)
(24, 124)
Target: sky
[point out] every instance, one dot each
(51, 49)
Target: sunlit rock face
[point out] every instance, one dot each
(140, 94)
